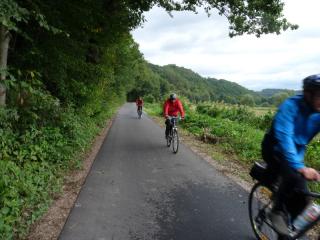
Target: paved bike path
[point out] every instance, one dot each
(138, 189)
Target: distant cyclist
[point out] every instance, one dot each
(296, 122)
(171, 108)
(139, 103)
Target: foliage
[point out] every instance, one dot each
(33, 163)
(252, 17)
(240, 113)
(11, 13)
(196, 88)
(269, 92)
(247, 99)
(160, 81)
(278, 98)
(61, 90)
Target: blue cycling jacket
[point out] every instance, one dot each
(293, 127)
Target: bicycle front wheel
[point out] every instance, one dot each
(260, 204)
(175, 141)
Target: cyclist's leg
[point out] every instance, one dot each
(278, 215)
(272, 165)
(139, 111)
(289, 199)
(168, 124)
(291, 191)
(171, 123)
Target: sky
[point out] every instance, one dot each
(202, 44)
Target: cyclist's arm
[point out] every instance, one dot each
(181, 110)
(284, 133)
(165, 109)
(310, 173)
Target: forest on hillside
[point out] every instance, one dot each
(163, 79)
(65, 66)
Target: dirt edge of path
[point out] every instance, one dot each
(52, 222)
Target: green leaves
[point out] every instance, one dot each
(251, 16)
(11, 13)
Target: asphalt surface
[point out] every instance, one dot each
(138, 189)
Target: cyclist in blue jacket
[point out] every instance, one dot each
(296, 122)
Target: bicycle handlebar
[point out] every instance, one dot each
(313, 194)
(310, 194)
(170, 117)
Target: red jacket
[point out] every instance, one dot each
(139, 102)
(173, 108)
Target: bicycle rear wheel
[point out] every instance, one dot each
(260, 203)
(175, 141)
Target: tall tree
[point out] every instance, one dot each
(10, 14)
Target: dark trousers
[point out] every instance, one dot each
(139, 108)
(168, 126)
(289, 198)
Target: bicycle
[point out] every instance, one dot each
(173, 136)
(261, 200)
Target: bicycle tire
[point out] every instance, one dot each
(175, 141)
(262, 196)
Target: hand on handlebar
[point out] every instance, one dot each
(310, 174)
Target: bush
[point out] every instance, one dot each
(241, 139)
(240, 113)
(149, 99)
(34, 160)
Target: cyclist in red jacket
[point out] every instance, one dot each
(139, 103)
(171, 108)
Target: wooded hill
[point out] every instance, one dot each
(198, 88)
(269, 92)
(159, 81)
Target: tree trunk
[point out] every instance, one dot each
(4, 47)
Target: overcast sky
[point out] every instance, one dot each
(202, 44)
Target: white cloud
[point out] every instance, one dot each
(202, 44)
